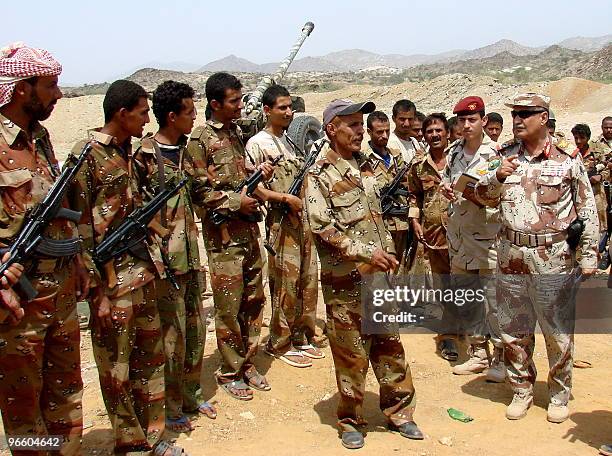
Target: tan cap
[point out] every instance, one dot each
(530, 100)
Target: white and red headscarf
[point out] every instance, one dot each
(19, 62)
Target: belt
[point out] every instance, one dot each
(533, 240)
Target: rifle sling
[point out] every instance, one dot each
(161, 177)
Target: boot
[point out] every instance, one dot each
(477, 362)
(557, 413)
(497, 372)
(522, 400)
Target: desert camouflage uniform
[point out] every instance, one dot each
(40, 367)
(293, 271)
(129, 356)
(397, 226)
(542, 197)
(343, 208)
(234, 255)
(430, 207)
(180, 310)
(471, 233)
(408, 149)
(596, 163)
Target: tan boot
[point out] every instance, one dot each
(497, 372)
(557, 413)
(476, 364)
(522, 400)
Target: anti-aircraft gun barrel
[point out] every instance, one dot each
(254, 99)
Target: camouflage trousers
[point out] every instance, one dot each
(236, 280)
(180, 312)
(40, 365)
(353, 351)
(476, 320)
(130, 361)
(294, 287)
(439, 262)
(417, 265)
(537, 285)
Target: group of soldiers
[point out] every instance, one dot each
(480, 214)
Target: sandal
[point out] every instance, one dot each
(236, 385)
(178, 425)
(205, 408)
(448, 350)
(310, 351)
(165, 448)
(255, 380)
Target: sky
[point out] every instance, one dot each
(99, 41)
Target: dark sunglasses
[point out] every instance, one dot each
(525, 114)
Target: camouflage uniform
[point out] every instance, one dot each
(397, 226)
(343, 207)
(40, 367)
(408, 149)
(596, 163)
(537, 203)
(430, 207)
(180, 310)
(293, 271)
(234, 255)
(471, 233)
(129, 356)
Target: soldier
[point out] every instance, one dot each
(180, 310)
(386, 164)
(455, 132)
(472, 230)
(417, 127)
(41, 388)
(541, 190)
(494, 126)
(429, 218)
(604, 142)
(293, 271)
(402, 138)
(344, 214)
(596, 165)
(125, 326)
(234, 256)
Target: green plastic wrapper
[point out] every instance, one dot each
(459, 415)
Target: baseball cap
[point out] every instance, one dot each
(530, 100)
(343, 107)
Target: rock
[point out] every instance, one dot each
(446, 441)
(247, 415)
(229, 416)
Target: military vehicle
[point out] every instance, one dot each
(304, 129)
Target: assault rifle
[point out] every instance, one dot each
(605, 238)
(295, 188)
(30, 242)
(250, 183)
(391, 207)
(132, 232)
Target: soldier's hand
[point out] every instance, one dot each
(507, 167)
(587, 272)
(82, 278)
(294, 203)
(267, 169)
(10, 301)
(417, 229)
(595, 179)
(102, 309)
(12, 274)
(383, 260)
(248, 205)
(447, 191)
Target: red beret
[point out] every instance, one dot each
(469, 105)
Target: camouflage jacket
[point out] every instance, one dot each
(218, 159)
(472, 227)
(601, 146)
(106, 191)
(27, 172)
(344, 214)
(544, 195)
(181, 245)
(384, 176)
(427, 203)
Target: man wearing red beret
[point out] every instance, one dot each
(472, 230)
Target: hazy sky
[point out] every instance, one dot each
(96, 41)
